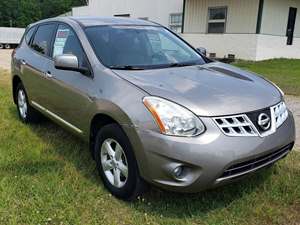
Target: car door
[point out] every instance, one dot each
(69, 91)
(33, 60)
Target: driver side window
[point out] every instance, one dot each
(66, 42)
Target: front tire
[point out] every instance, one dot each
(27, 114)
(116, 163)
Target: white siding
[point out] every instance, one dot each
(270, 46)
(156, 10)
(246, 46)
(275, 17)
(243, 46)
(240, 38)
(80, 11)
(241, 15)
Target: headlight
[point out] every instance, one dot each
(173, 119)
(281, 113)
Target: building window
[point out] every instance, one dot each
(217, 20)
(175, 22)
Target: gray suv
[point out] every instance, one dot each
(153, 108)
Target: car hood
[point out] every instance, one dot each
(212, 89)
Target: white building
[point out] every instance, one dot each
(248, 29)
(165, 12)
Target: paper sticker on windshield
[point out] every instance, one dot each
(60, 41)
(155, 41)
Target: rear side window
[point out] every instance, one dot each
(29, 34)
(66, 42)
(42, 39)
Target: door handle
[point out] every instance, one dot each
(48, 74)
(23, 62)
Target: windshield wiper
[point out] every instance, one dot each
(182, 64)
(126, 67)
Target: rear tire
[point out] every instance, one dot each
(7, 46)
(27, 114)
(116, 163)
(1, 46)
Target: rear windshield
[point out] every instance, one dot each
(141, 47)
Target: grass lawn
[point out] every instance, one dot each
(48, 177)
(284, 72)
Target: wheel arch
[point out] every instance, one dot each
(16, 80)
(98, 121)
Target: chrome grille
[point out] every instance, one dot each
(238, 125)
(246, 124)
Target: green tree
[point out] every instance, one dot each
(28, 11)
(51, 8)
(20, 13)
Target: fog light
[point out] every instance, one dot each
(178, 172)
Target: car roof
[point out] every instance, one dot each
(87, 21)
(98, 21)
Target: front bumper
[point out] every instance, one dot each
(205, 158)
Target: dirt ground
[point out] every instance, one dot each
(5, 58)
(293, 102)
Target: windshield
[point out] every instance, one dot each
(140, 47)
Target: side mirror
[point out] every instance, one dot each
(201, 50)
(69, 62)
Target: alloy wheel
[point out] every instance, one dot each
(114, 163)
(22, 103)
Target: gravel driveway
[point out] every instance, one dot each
(293, 102)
